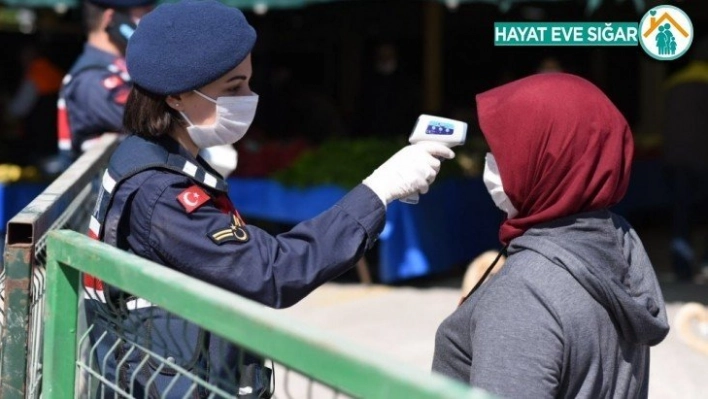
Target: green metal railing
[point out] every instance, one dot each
(51, 360)
(346, 368)
(66, 203)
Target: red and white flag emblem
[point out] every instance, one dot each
(192, 198)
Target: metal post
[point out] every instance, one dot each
(18, 280)
(433, 15)
(60, 316)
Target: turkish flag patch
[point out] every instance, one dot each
(192, 198)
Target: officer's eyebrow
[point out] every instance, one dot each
(236, 77)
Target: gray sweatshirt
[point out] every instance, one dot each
(571, 314)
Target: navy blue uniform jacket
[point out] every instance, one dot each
(276, 271)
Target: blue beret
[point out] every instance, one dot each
(122, 3)
(182, 46)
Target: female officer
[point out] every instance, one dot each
(191, 67)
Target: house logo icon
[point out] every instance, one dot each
(666, 32)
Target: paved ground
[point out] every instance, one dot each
(400, 322)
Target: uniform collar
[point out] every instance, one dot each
(172, 146)
(90, 49)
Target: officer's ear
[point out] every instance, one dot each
(107, 18)
(174, 101)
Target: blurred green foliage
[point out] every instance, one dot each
(346, 162)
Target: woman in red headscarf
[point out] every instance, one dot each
(576, 306)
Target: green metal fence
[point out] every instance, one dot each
(66, 203)
(58, 360)
(346, 369)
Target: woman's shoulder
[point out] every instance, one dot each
(153, 184)
(530, 268)
(521, 292)
(523, 271)
(529, 275)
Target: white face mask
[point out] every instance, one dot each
(492, 179)
(234, 115)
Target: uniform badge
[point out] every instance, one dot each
(192, 198)
(235, 232)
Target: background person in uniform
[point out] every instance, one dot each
(577, 305)
(685, 156)
(191, 67)
(94, 91)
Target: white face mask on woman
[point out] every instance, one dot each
(234, 115)
(492, 179)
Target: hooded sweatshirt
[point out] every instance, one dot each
(576, 306)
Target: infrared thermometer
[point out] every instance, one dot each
(434, 128)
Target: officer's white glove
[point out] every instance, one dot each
(409, 171)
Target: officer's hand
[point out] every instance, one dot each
(409, 171)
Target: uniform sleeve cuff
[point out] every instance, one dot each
(366, 207)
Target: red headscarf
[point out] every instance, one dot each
(560, 144)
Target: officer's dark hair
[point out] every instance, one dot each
(92, 14)
(147, 114)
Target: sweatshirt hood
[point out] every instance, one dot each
(605, 255)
